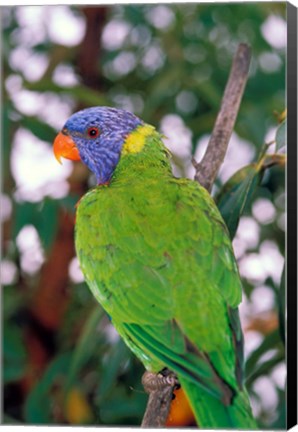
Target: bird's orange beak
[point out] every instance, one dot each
(65, 147)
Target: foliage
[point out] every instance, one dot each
(61, 354)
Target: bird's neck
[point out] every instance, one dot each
(143, 155)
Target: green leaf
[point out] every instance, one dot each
(121, 407)
(47, 223)
(85, 346)
(24, 214)
(38, 405)
(274, 159)
(12, 301)
(237, 193)
(7, 128)
(14, 354)
(272, 341)
(281, 419)
(110, 368)
(69, 202)
(40, 129)
(9, 420)
(43, 216)
(265, 368)
(281, 306)
(80, 93)
(281, 135)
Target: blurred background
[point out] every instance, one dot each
(63, 363)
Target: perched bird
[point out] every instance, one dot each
(157, 255)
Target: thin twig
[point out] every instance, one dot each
(159, 401)
(158, 407)
(207, 169)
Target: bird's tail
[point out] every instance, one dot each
(211, 413)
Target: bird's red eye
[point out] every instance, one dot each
(93, 132)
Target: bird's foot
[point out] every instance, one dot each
(154, 382)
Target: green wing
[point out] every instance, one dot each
(151, 256)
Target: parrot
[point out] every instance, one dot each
(157, 255)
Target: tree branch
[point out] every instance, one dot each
(207, 169)
(160, 388)
(159, 401)
(89, 60)
(157, 409)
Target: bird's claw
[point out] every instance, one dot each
(165, 378)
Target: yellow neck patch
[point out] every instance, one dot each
(135, 141)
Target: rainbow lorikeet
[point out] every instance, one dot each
(157, 255)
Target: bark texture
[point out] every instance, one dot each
(207, 169)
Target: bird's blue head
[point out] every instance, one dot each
(96, 136)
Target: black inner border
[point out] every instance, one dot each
(292, 216)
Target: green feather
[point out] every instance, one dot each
(157, 255)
